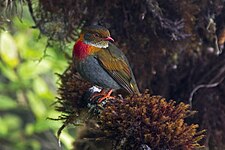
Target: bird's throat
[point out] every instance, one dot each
(81, 50)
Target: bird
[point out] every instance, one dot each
(99, 61)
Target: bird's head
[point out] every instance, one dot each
(96, 36)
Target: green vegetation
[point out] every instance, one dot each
(28, 88)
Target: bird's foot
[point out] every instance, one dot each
(103, 95)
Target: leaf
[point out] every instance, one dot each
(8, 50)
(31, 69)
(41, 88)
(7, 103)
(37, 106)
(7, 72)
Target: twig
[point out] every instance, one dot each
(203, 86)
(31, 11)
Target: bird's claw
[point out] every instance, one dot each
(101, 96)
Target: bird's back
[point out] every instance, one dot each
(117, 66)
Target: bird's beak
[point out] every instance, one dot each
(109, 39)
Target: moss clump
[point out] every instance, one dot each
(71, 98)
(71, 91)
(149, 120)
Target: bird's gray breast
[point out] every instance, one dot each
(91, 70)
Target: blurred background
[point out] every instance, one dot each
(28, 87)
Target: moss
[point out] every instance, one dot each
(149, 120)
(71, 101)
(71, 91)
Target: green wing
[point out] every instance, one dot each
(115, 63)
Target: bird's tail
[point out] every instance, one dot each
(134, 87)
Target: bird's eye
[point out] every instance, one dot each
(97, 35)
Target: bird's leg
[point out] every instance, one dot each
(104, 95)
(107, 96)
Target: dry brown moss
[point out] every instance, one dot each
(71, 102)
(71, 91)
(149, 120)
